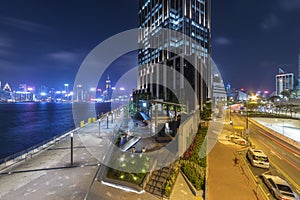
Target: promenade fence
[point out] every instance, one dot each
(31, 151)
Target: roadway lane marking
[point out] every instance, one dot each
(255, 178)
(273, 153)
(296, 155)
(281, 171)
(287, 161)
(287, 176)
(280, 143)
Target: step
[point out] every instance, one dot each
(155, 183)
(160, 173)
(158, 178)
(154, 190)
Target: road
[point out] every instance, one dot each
(284, 158)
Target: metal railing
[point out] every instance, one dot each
(33, 149)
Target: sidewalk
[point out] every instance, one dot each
(49, 175)
(225, 179)
(181, 190)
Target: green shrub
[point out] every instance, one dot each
(194, 173)
(192, 165)
(171, 179)
(135, 178)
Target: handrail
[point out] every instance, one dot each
(26, 151)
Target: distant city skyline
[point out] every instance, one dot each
(44, 43)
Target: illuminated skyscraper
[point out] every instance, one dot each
(180, 32)
(107, 84)
(284, 81)
(298, 70)
(108, 89)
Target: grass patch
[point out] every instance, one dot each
(129, 168)
(135, 178)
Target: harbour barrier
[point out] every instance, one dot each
(38, 148)
(31, 151)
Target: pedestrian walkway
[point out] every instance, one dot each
(50, 175)
(181, 190)
(226, 179)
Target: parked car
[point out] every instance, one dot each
(279, 188)
(238, 140)
(258, 158)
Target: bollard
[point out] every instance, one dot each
(81, 124)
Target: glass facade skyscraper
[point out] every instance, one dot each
(298, 70)
(284, 82)
(174, 37)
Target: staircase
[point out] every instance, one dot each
(157, 181)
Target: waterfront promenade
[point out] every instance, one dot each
(49, 175)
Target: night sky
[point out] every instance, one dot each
(44, 42)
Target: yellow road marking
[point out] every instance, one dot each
(255, 179)
(286, 176)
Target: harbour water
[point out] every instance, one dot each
(23, 125)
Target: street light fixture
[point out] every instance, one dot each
(71, 135)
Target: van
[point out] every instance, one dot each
(258, 158)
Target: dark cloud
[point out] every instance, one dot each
(46, 41)
(269, 22)
(222, 41)
(289, 5)
(23, 24)
(63, 56)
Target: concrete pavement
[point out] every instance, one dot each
(181, 190)
(227, 180)
(49, 175)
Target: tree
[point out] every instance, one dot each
(286, 93)
(206, 113)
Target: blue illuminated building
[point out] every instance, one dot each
(191, 19)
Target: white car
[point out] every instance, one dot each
(279, 188)
(258, 158)
(238, 140)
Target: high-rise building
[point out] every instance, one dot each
(298, 70)
(108, 89)
(284, 81)
(174, 46)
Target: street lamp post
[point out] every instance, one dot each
(71, 134)
(247, 118)
(247, 115)
(99, 120)
(112, 117)
(230, 121)
(107, 120)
